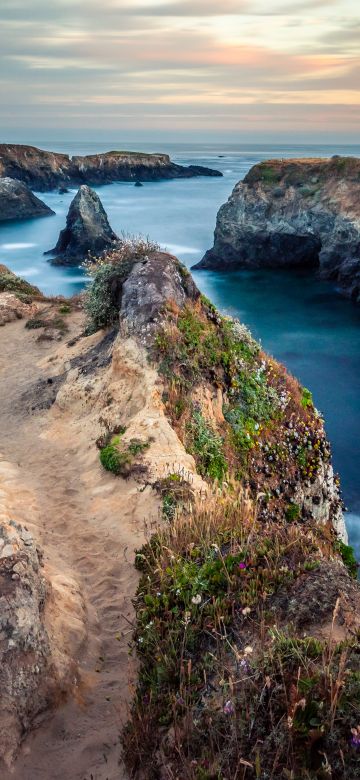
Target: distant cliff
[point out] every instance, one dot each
(44, 170)
(289, 213)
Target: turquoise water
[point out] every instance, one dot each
(301, 320)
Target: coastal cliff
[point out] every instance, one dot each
(42, 170)
(294, 213)
(18, 202)
(154, 407)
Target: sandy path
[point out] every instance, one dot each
(88, 524)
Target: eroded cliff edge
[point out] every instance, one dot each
(244, 596)
(289, 213)
(44, 170)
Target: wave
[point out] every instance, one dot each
(11, 247)
(178, 249)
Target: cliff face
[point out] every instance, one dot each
(245, 613)
(87, 230)
(43, 170)
(290, 213)
(18, 202)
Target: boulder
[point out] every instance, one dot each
(18, 202)
(87, 230)
(289, 213)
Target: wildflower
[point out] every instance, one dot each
(229, 708)
(242, 565)
(140, 640)
(196, 599)
(248, 650)
(246, 611)
(245, 666)
(355, 739)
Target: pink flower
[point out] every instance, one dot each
(242, 565)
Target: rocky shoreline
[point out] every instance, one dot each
(18, 202)
(294, 213)
(43, 171)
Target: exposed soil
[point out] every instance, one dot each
(88, 524)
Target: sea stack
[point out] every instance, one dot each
(289, 213)
(18, 202)
(87, 230)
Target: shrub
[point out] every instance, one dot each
(108, 273)
(118, 457)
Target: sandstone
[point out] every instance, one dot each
(12, 308)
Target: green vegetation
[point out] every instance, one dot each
(348, 556)
(176, 495)
(108, 273)
(217, 681)
(23, 290)
(118, 457)
(207, 446)
(292, 512)
(306, 399)
(47, 322)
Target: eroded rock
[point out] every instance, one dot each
(44, 170)
(18, 202)
(289, 213)
(87, 230)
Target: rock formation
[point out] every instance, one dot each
(246, 607)
(289, 213)
(18, 202)
(87, 230)
(44, 170)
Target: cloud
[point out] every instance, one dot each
(74, 56)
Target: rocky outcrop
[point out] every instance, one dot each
(18, 202)
(289, 213)
(18, 298)
(149, 285)
(44, 170)
(24, 643)
(87, 230)
(11, 308)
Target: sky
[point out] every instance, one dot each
(181, 69)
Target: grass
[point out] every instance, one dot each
(23, 290)
(219, 685)
(207, 446)
(266, 432)
(229, 687)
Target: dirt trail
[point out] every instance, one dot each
(88, 524)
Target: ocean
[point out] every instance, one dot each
(298, 318)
